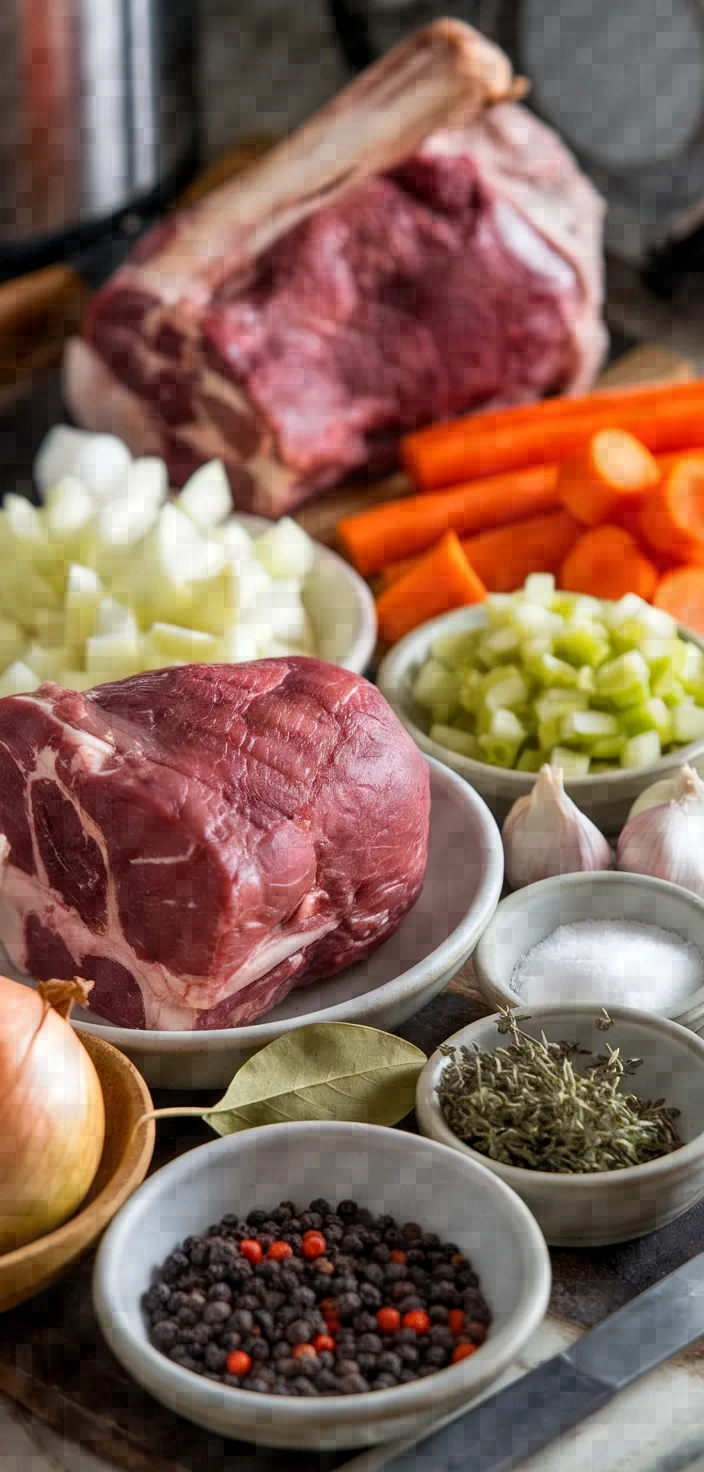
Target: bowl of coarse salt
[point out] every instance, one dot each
(605, 938)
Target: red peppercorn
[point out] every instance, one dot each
(304, 1352)
(397, 1255)
(462, 1352)
(279, 1250)
(388, 1319)
(455, 1321)
(459, 1260)
(251, 1249)
(238, 1363)
(333, 1324)
(417, 1319)
(322, 1342)
(313, 1244)
(328, 1307)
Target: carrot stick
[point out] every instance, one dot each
(504, 558)
(664, 418)
(671, 519)
(400, 529)
(606, 562)
(441, 580)
(681, 593)
(607, 478)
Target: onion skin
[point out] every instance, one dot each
(52, 1117)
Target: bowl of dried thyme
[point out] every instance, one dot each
(595, 1118)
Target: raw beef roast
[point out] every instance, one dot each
(202, 839)
(375, 272)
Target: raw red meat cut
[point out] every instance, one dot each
(368, 276)
(200, 840)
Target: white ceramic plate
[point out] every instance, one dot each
(461, 891)
(338, 602)
(386, 1171)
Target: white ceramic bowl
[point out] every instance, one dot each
(386, 1171)
(526, 917)
(461, 891)
(611, 1206)
(606, 798)
(338, 602)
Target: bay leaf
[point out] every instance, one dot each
(327, 1070)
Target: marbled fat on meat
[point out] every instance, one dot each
(199, 840)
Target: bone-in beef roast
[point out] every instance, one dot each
(202, 839)
(374, 273)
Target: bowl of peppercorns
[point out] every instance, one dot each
(320, 1284)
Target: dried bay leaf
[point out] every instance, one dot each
(327, 1070)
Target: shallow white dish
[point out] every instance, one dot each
(338, 602)
(386, 1171)
(461, 891)
(526, 917)
(606, 797)
(608, 1206)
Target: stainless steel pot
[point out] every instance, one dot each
(97, 115)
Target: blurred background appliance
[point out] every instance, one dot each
(98, 108)
(623, 83)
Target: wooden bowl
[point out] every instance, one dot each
(123, 1165)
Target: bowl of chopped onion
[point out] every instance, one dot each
(613, 693)
(110, 576)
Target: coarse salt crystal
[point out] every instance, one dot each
(617, 961)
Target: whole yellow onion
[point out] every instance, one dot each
(52, 1116)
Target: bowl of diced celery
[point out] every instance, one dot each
(613, 693)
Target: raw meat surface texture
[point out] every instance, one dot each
(297, 335)
(199, 840)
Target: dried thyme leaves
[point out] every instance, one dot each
(527, 1104)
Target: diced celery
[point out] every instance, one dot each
(471, 691)
(687, 724)
(497, 607)
(453, 650)
(550, 731)
(666, 687)
(553, 672)
(583, 727)
(539, 587)
(532, 654)
(641, 750)
(586, 679)
(500, 744)
(607, 749)
(461, 742)
(573, 763)
(530, 760)
(509, 692)
(691, 670)
(558, 702)
(534, 620)
(435, 688)
(499, 647)
(624, 681)
(582, 645)
(654, 715)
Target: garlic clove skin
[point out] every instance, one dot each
(546, 834)
(666, 840)
(668, 790)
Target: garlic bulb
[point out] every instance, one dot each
(666, 790)
(666, 840)
(546, 834)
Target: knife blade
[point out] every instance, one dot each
(528, 1414)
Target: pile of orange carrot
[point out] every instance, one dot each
(606, 492)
